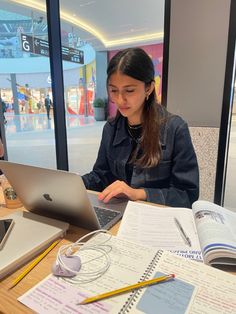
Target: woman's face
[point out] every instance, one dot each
(129, 96)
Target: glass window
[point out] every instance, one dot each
(229, 195)
(95, 29)
(25, 82)
(91, 32)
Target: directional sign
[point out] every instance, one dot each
(27, 43)
(73, 55)
(41, 47)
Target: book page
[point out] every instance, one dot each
(155, 226)
(216, 230)
(197, 289)
(129, 262)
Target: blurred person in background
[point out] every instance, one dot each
(48, 104)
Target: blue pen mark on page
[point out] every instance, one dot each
(195, 255)
(171, 297)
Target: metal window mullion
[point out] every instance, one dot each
(54, 39)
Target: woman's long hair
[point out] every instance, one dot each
(135, 62)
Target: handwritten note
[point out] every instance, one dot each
(173, 297)
(196, 289)
(129, 262)
(155, 226)
(57, 296)
(190, 254)
(215, 289)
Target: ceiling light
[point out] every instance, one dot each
(78, 22)
(87, 3)
(136, 39)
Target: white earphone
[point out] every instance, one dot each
(69, 265)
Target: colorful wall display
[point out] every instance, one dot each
(76, 102)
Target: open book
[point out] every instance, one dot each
(216, 227)
(208, 227)
(197, 288)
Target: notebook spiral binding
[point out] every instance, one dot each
(126, 308)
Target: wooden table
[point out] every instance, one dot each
(8, 297)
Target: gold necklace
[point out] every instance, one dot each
(133, 132)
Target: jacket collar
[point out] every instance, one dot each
(121, 133)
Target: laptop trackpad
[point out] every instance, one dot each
(118, 204)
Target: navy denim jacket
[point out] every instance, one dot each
(174, 181)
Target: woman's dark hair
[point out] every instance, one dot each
(136, 63)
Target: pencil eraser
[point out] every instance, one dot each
(73, 262)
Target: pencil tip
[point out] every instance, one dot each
(11, 287)
(81, 303)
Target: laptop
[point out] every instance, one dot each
(60, 195)
(30, 235)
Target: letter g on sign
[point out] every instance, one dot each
(25, 44)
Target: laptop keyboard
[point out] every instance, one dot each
(105, 215)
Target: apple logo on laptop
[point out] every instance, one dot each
(47, 197)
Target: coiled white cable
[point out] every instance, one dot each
(79, 247)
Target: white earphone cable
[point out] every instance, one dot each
(79, 247)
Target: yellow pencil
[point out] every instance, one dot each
(33, 264)
(128, 288)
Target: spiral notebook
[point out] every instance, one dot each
(197, 288)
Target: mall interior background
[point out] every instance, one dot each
(25, 80)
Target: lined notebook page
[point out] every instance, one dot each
(197, 288)
(129, 263)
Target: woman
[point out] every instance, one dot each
(146, 153)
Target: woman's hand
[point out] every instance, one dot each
(121, 189)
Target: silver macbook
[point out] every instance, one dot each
(60, 195)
